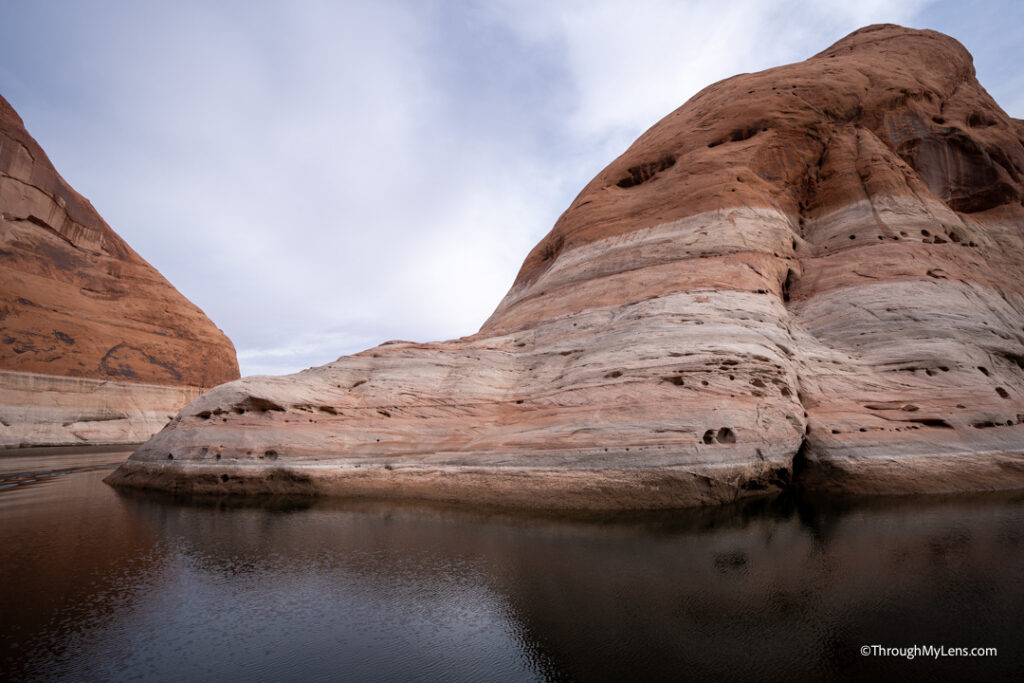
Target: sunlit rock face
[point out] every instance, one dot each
(810, 276)
(95, 345)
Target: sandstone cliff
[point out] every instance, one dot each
(77, 302)
(810, 276)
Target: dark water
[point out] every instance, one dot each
(96, 585)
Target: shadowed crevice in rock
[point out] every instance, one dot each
(958, 170)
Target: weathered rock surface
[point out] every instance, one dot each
(811, 276)
(58, 411)
(77, 302)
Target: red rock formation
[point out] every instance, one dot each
(76, 301)
(806, 276)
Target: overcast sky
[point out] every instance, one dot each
(320, 177)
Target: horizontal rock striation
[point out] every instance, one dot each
(76, 301)
(70, 411)
(805, 277)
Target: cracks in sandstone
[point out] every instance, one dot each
(790, 479)
(21, 144)
(863, 175)
(39, 222)
(801, 423)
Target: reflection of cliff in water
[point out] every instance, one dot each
(764, 590)
(786, 592)
(295, 589)
(68, 546)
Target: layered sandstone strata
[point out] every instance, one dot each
(812, 275)
(58, 411)
(77, 302)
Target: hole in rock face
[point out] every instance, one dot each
(270, 453)
(224, 478)
(675, 379)
(613, 374)
(739, 135)
(983, 370)
(726, 435)
(257, 403)
(1013, 358)
(643, 172)
(170, 456)
(932, 422)
(980, 120)
(551, 249)
(787, 284)
(1002, 392)
(709, 436)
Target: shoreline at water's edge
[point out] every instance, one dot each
(535, 488)
(69, 449)
(538, 488)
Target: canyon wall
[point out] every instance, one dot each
(77, 303)
(809, 277)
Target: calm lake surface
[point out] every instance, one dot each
(99, 585)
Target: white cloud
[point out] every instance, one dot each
(630, 64)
